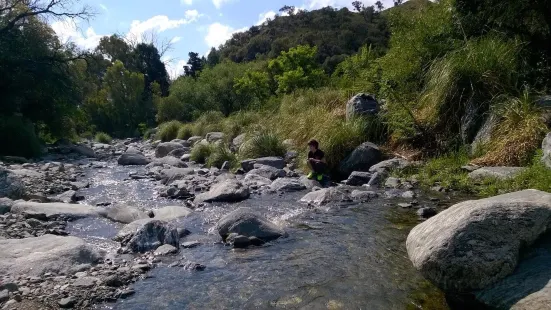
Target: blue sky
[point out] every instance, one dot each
(190, 25)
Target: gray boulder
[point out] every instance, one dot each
(69, 196)
(56, 210)
(310, 184)
(390, 164)
(325, 195)
(193, 140)
(363, 195)
(84, 150)
(358, 178)
(214, 136)
(184, 143)
(151, 235)
(178, 153)
(500, 173)
(166, 249)
(245, 222)
(227, 191)
(171, 213)
(163, 149)
(484, 134)
(361, 105)
(361, 159)
(238, 141)
(256, 180)
(169, 161)
(267, 172)
(11, 185)
(474, 244)
(125, 214)
(39, 255)
(173, 174)
(287, 185)
(5, 205)
(132, 159)
(276, 162)
(546, 148)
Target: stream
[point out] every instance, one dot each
(338, 256)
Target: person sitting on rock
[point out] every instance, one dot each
(316, 161)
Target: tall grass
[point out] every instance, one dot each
(210, 121)
(239, 123)
(201, 152)
(185, 132)
(262, 144)
(168, 131)
(220, 154)
(102, 137)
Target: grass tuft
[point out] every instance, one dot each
(201, 152)
(185, 132)
(102, 137)
(169, 131)
(262, 144)
(220, 154)
(210, 121)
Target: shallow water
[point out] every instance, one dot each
(341, 256)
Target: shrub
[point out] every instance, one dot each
(185, 132)
(220, 154)
(168, 131)
(238, 122)
(210, 121)
(102, 137)
(18, 137)
(262, 144)
(201, 152)
(148, 134)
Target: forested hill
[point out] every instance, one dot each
(336, 33)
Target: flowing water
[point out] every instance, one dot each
(340, 256)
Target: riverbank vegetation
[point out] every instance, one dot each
(452, 77)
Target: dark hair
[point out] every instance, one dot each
(314, 143)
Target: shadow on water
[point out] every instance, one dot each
(342, 256)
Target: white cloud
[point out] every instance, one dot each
(186, 2)
(175, 39)
(217, 34)
(103, 7)
(175, 68)
(218, 3)
(158, 23)
(68, 31)
(192, 15)
(263, 17)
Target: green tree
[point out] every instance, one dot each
(254, 84)
(194, 65)
(213, 57)
(296, 69)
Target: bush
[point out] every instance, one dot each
(220, 154)
(185, 132)
(262, 144)
(18, 138)
(102, 137)
(210, 121)
(168, 131)
(201, 152)
(237, 123)
(148, 134)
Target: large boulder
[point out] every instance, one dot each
(227, 191)
(44, 254)
(361, 105)
(125, 214)
(546, 148)
(476, 243)
(5, 205)
(245, 222)
(238, 141)
(178, 153)
(276, 162)
(267, 172)
(390, 164)
(361, 159)
(56, 210)
(163, 149)
(309, 183)
(171, 213)
(358, 178)
(132, 159)
(11, 185)
(287, 185)
(500, 173)
(83, 150)
(326, 195)
(147, 235)
(214, 137)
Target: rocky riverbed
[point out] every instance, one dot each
(135, 225)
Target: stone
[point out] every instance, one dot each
(546, 148)
(291, 156)
(214, 137)
(184, 143)
(310, 184)
(83, 150)
(185, 157)
(173, 174)
(152, 235)
(11, 185)
(500, 173)
(113, 281)
(245, 222)
(276, 162)
(238, 241)
(227, 191)
(392, 183)
(85, 282)
(67, 197)
(361, 105)
(170, 213)
(190, 244)
(254, 180)
(56, 210)
(5, 295)
(5, 205)
(166, 249)
(168, 161)
(194, 139)
(484, 134)
(476, 243)
(358, 178)
(267, 172)
(132, 159)
(361, 159)
(408, 195)
(325, 195)
(68, 302)
(178, 153)
(287, 185)
(389, 165)
(123, 294)
(163, 149)
(238, 141)
(79, 185)
(427, 212)
(48, 253)
(125, 214)
(363, 195)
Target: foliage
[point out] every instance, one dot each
(296, 69)
(185, 132)
(195, 65)
(102, 137)
(210, 121)
(262, 144)
(220, 154)
(357, 72)
(18, 137)
(169, 131)
(201, 152)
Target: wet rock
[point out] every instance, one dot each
(238, 241)
(114, 281)
(389, 165)
(56, 210)
(171, 213)
(193, 266)
(267, 172)
(177, 193)
(310, 184)
(245, 222)
(166, 249)
(79, 185)
(358, 178)
(287, 185)
(406, 206)
(68, 302)
(132, 159)
(185, 157)
(408, 195)
(190, 244)
(393, 193)
(325, 195)
(476, 243)
(83, 150)
(5, 205)
(361, 105)
(225, 166)
(214, 137)
(163, 149)
(227, 191)
(361, 159)
(150, 236)
(68, 197)
(40, 255)
(500, 173)
(276, 162)
(363, 195)
(123, 294)
(11, 185)
(125, 214)
(426, 212)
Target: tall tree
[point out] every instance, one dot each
(147, 60)
(380, 6)
(358, 6)
(115, 48)
(288, 9)
(194, 65)
(213, 57)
